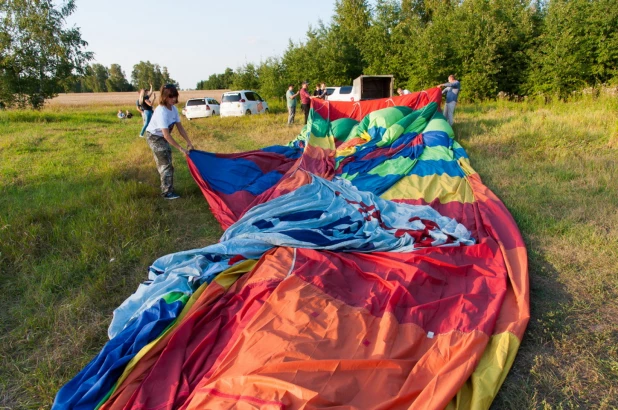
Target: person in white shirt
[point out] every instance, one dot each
(403, 92)
(159, 137)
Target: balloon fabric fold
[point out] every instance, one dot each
(365, 265)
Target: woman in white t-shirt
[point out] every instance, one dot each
(159, 137)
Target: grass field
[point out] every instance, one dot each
(81, 220)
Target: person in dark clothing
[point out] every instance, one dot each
(146, 103)
(452, 94)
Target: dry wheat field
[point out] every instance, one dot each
(77, 99)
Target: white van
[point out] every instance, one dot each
(201, 107)
(339, 93)
(243, 102)
(366, 87)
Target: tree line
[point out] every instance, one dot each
(517, 47)
(98, 78)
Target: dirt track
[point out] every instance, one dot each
(74, 99)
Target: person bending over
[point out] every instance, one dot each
(159, 138)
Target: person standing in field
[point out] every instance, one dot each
(146, 99)
(305, 100)
(290, 97)
(452, 93)
(159, 138)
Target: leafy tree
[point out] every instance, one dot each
(217, 81)
(270, 75)
(246, 78)
(38, 56)
(350, 24)
(96, 78)
(146, 73)
(117, 80)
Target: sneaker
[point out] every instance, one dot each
(141, 136)
(171, 195)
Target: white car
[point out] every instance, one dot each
(243, 102)
(201, 107)
(339, 93)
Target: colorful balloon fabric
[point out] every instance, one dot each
(365, 265)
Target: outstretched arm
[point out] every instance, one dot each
(184, 135)
(168, 137)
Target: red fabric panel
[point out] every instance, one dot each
(219, 206)
(196, 345)
(497, 219)
(438, 289)
(334, 110)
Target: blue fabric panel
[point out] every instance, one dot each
(289, 152)
(460, 153)
(263, 183)
(437, 138)
(439, 167)
(90, 385)
(225, 175)
(301, 216)
(313, 237)
(376, 184)
(230, 175)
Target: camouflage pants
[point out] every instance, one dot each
(163, 157)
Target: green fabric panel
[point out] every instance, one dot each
(397, 166)
(342, 127)
(437, 153)
(319, 126)
(438, 123)
(456, 145)
(348, 176)
(172, 297)
(383, 118)
(352, 134)
(392, 133)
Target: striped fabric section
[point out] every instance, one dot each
(335, 311)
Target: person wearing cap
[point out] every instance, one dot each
(305, 100)
(291, 100)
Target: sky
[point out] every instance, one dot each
(194, 39)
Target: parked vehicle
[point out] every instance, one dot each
(365, 87)
(339, 93)
(201, 107)
(243, 102)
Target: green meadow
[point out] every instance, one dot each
(81, 220)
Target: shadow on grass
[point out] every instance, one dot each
(525, 387)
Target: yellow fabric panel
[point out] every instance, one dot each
(464, 163)
(346, 152)
(322, 142)
(229, 276)
(481, 388)
(225, 279)
(444, 187)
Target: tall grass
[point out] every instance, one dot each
(81, 219)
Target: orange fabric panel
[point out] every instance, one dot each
(304, 348)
